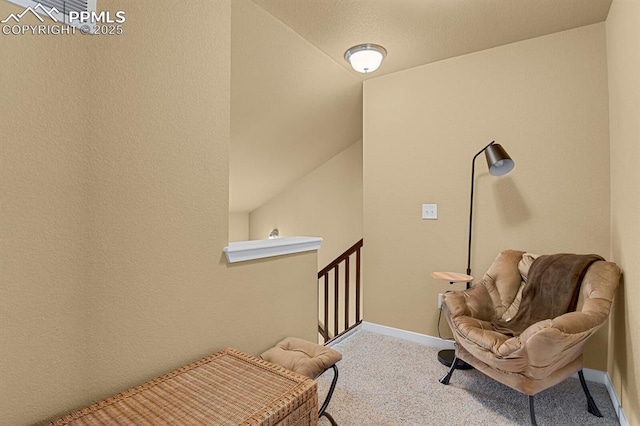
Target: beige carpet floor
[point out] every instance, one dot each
(388, 381)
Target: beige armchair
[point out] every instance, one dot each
(545, 352)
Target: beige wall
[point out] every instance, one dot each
(114, 175)
(326, 203)
(623, 48)
(545, 101)
(293, 107)
(238, 226)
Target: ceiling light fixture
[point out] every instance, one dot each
(365, 58)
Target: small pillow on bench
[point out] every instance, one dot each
(302, 356)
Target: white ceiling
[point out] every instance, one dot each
(296, 103)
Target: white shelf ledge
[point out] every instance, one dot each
(258, 249)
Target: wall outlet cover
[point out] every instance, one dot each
(430, 211)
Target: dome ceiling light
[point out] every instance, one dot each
(365, 58)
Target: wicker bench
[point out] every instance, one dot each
(226, 388)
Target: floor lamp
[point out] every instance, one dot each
(499, 163)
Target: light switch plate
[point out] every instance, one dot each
(430, 211)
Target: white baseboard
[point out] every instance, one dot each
(593, 376)
(411, 336)
(615, 400)
(603, 378)
(596, 376)
(343, 336)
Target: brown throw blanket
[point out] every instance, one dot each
(552, 289)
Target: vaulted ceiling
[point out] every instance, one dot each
(296, 103)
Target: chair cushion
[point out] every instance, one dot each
(525, 264)
(503, 280)
(523, 267)
(302, 356)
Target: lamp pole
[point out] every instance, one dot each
(499, 163)
(473, 171)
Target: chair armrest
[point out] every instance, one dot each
(573, 322)
(579, 322)
(456, 303)
(474, 302)
(561, 339)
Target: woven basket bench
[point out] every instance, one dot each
(227, 388)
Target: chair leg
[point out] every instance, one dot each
(445, 379)
(332, 388)
(532, 411)
(591, 404)
(328, 416)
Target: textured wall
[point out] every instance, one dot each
(284, 90)
(326, 203)
(238, 226)
(545, 101)
(623, 48)
(43, 224)
(115, 213)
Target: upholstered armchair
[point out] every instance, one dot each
(541, 354)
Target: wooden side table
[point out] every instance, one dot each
(452, 277)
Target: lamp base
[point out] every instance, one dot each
(446, 357)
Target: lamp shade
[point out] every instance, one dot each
(498, 161)
(365, 58)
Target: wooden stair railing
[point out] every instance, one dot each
(333, 269)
